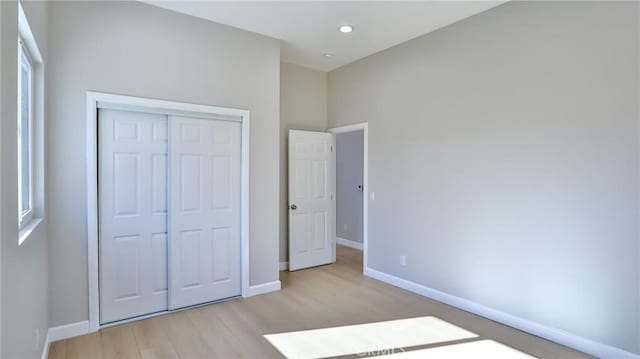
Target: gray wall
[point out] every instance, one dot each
(504, 157)
(136, 49)
(24, 268)
(303, 106)
(349, 161)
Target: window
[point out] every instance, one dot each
(25, 136)
(30, 156)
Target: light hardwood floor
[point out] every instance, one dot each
(326, 296)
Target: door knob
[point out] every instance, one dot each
(294, 207)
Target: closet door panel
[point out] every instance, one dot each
(204, 215)
(132, 214)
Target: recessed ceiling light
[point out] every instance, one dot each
(345, 29)
(327, 54)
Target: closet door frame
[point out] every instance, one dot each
(98, 100)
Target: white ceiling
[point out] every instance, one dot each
(308, 29)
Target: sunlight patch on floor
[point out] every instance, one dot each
(367, 338)
(479, 349)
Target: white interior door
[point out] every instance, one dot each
(133, 214)
(311, 205)
(204, 214)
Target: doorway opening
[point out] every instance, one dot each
(313, 232)
(351, 171)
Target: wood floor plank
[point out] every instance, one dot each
(119, 343)
(219, 337)
(58, 350)
(152, 340)
(326, 296)
(86, 346)
(184, 337)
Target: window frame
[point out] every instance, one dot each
(25, 60)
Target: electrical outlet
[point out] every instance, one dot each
(372, 196)
(403, 260)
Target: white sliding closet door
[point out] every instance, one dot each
(204, 215)
(133, 214)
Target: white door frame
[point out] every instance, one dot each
(364, 127)
(96, 100)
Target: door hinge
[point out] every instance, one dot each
(331, 148)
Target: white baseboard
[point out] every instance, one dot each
(552, 334)
(63, 332)
(284, 266)
(45, 347)
(263, 288)
(68, 331)
(349, 243)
